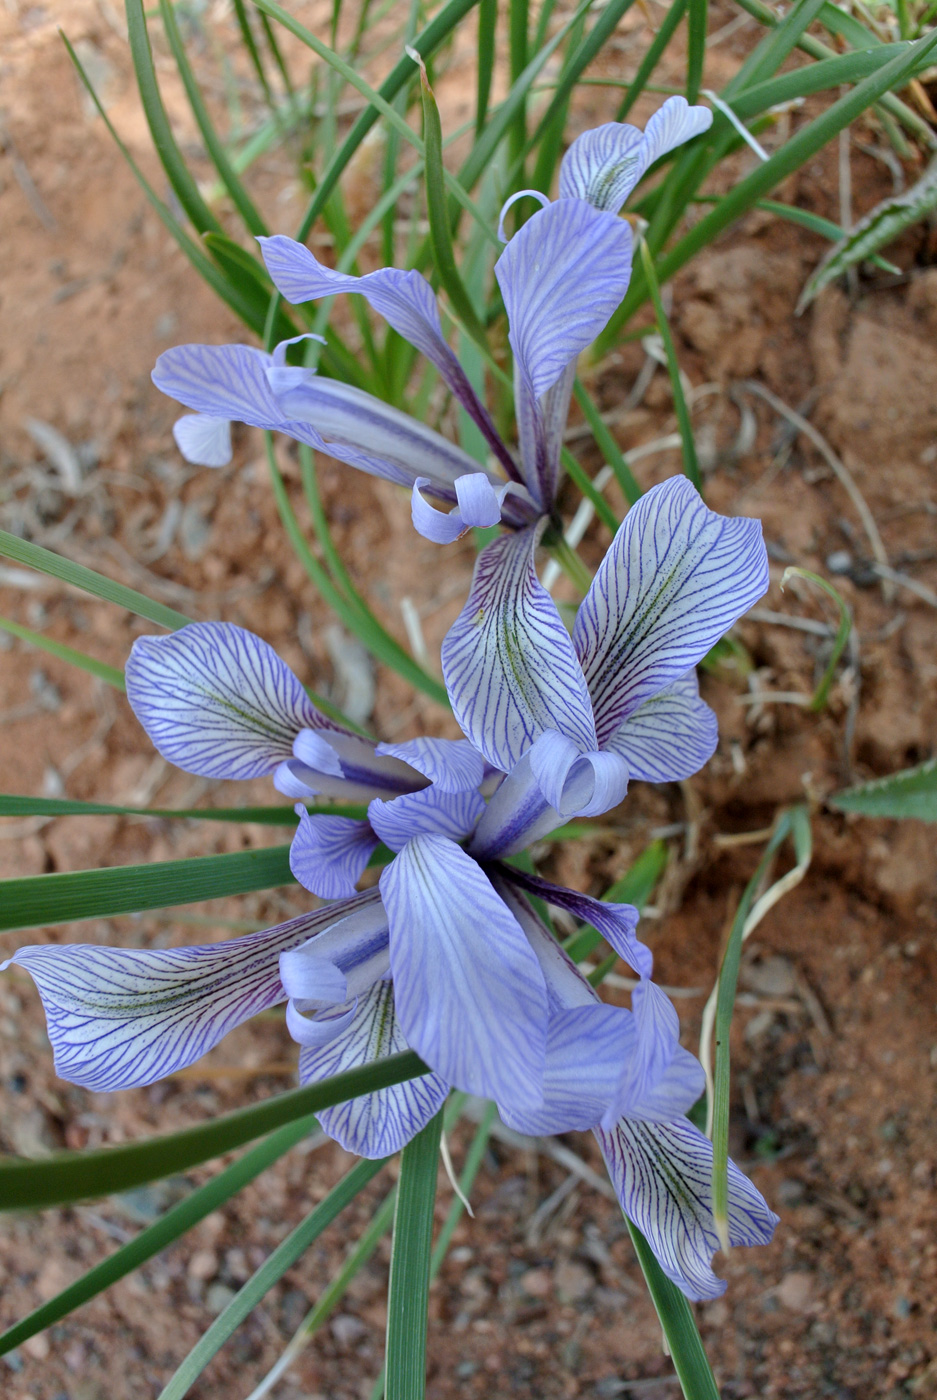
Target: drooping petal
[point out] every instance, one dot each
(674, 580)
(668, 737)
(662, 1175)
(508, 662)
(405, 300)
(470, 994)
(342, 960)
(226, 382)
(674, 123)
(217, 700)
(119, 1018)
(378, 1124)
(615, 922)
(562, 275)
(336, 764)
(451, 765)
(203, 440)
(432, 811)
(356, 419)
(328, 855)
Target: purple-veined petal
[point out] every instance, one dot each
(439, 526)
(508, 662)
(451, 765)
(405, 300)
(615, 922)
(229, 382)
(469, 991)
(312, 1031)
(603, 165)
(203, 440)
(562, 275)
(566, 985)
(328, 855)
(378, 1124)
(673, 1095)
(674, 123)
(120, 1018)
(452, 814)
(662, 1175)
(674, 580)
(314, 750)
(479, 503)
(356, 419)
(670, 736)
(343, 765)
(575, 784)
(217, 700)
(344, 959)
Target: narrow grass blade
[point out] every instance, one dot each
(697, 17)
(110, 674)
(607, 445)
(408, 1289)
(269, 1273)
(250, 44)
(774, 48)
(487, 25)
(437, 208)
(156, 1237)
(27, 1184)
(678, 1325)
(823, 76)
(795, 822)
(842, 633)
(32, 901)
(47, 562)
(879, 227)
(635, 887)
(518, 23)
(577, 473)
(910, 793)
(14, 806)
(690, 462)
(816, 224)
(653, 56)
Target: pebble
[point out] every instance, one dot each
(218, 1297)
(795, 1291)
(203, 1265)
(538, 1283)
(347, 1329)
(573, 1282)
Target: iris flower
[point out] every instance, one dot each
(561, 276)
(447, 956)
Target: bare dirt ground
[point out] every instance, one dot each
(835, 1050)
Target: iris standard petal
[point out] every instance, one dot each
(203, 440)
(328, 855)
(346, 415)
(674, 580)
(508, 662)
(451, 765)
(432, 811)
(378, 1124)
(674, 123)
(662, 1175)
(670, 736)
(119, 1018)
(469, 991)
(603, 165)
(405, 300)
(217, 700)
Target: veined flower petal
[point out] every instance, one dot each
(451, 765)
(674, 123)
(217, 700)
(344, 959)
(226, 382)
(577, 784)
(119, 1018)
(508, 662)
(602, 166)
(405, 300)
(378, 1124)
(328, 855)
(432, 811)
(336, 764)
(469, 991)
(615, 922)
(203, 440)
(662, 1175)
(674, 580)
(668, 737)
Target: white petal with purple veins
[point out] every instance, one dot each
(575, 784)
(451, 765)
(508, 662)
(662, 1175)
(603, 165)
(675, 579)
(674, 123)
(670, 736)
(432, 811)
(203, 440)
(328, 855)
(469, 991)
(378, 1124)
(119, 1018)
(343, 960)
(217, 700)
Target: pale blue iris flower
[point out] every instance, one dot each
(447, 956)
(561, 277)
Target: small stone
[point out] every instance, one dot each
(574, 1282)
(203, 1265)
(218, 1297)
(347, 1329)
(716, 1314)
(538, 1283)
(37, 1347)
(795, 1291)
(770, 977)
